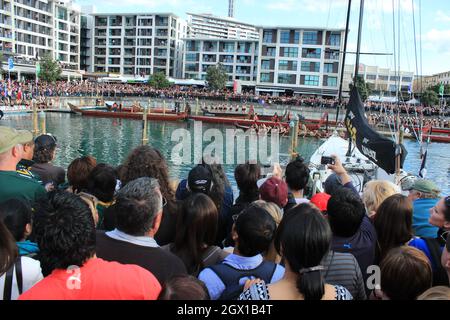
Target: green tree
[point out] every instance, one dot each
(363, 88)
(158, 81)
(216, 77)
(435, 88)
(430, 98)
(50, 69)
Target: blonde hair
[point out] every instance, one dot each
(436, 293)
(277, 215)
(375, 192)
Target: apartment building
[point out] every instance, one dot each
(30, 29)
(299, 61)
(382, 81)
(137, 44)
(238, 57)
(210, 26)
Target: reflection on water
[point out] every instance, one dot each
(110, 141)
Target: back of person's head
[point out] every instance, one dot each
(405, 273)
(196, 227)
(436, 293)
(273, 209)
(345, 212)
(16, 215)
(297, 174)
(255, 229)
(78, 172)
(375, 192)
(184, 287)
(137, 205)
(246, 176)
(332, 184)
(64, 230)
(200, 179)
(44, 148)
(102, 182)
(8, 249)
(393, 222)
(274, 190)
(303, 239)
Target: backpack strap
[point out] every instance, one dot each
(7, 289)
(19, 278)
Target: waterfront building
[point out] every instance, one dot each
(210, 26)
(137, 44)
(299, 61)
(429, 81)
(382, 81)
(30, 29)
(238, 57)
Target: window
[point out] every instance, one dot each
(289, 52)
(286, 78)
(310, 66)
(395, 78)
(383, 78)
(265, 64)
(371, 77)
(312, 81)
(228, 47)
(271, 52)
(191, 57)
(311, 53)
(310, 37)
(265, 77)
(332, 82)
(328, 68)
(287, 65)
(335, 40)
(268, 36)
(297, 37)
(406, 79)
(284, 36)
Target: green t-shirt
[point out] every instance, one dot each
(14, 186)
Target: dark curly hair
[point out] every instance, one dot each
(43, 154)
(145, 161)
(65, 231)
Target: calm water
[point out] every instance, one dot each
(110, 141)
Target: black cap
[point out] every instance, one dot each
(45, 141)
(200, 179)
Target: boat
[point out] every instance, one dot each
(246, 128)
(127, 114)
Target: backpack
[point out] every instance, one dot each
(230, 276)
(440, 277)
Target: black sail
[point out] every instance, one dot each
(380, 150)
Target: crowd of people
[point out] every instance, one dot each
(95, 231)
(15, 93)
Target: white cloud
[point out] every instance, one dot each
(306, 5)
(437, 41)
(442, 16)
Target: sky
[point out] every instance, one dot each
(433, 34)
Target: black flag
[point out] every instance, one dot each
(380, 150)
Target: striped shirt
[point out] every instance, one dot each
(343, 269)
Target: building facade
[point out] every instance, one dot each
(31, 29)
(422, 83)
(210, 26)
(238, 57)
(297, 61)
(382, 81)
(137, 44)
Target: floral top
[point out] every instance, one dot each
(259, 291)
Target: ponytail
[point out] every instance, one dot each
(311, 284)
(8, 249)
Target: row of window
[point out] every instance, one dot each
(292, 66)
(284, 78)
(386, 78)
(293, 37)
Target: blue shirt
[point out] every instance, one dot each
(421, 214)
(215, 285)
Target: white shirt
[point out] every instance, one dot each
(31, 274)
